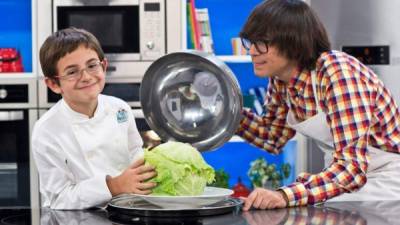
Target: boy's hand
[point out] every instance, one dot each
(133, 180)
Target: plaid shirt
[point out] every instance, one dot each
(359, 111)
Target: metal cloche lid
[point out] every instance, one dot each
(191, 97)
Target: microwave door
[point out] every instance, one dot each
(115, 26)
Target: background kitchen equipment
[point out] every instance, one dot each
(191, 97)
(146, 30)
(10, 60)
(18, 113)
(368, 30)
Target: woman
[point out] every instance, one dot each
(326, 95)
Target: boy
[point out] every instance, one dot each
(85, 140)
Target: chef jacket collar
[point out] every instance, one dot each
(77, 117)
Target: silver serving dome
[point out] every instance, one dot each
(191, 97)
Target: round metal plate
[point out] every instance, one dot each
(191, 97)
(134, 206)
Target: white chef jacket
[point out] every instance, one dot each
(74, 153)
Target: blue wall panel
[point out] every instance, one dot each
(246, 77)
(235, 158)
(16, 28)
(226, 20)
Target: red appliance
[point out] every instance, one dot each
(10, 60)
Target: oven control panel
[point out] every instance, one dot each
(14, 93)
(152, 29)
(370, 55)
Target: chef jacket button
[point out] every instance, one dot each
(89, 155)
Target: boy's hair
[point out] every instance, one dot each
(63, 42)
(292, 27)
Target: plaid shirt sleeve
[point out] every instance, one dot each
(270, 131)
(347, 97)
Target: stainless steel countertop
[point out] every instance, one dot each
(382, 212)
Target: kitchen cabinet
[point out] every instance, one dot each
(226, 21)
(18, 30)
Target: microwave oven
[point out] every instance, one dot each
(128, 30)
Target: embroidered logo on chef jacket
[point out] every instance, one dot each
(122, 116)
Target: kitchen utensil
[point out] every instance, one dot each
(136, 206)
(191, 97)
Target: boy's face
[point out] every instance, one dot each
(269, 64)
(83, 89)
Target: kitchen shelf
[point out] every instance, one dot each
(236, 138)
(235, 58)
(17, 75)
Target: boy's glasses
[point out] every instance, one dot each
(261, 46)
(73, 74)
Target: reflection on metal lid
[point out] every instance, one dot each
(191, 97)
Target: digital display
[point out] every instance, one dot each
(155, 7)
(369, 55)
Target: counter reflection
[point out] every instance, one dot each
(359, 213)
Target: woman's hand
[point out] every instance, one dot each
(262, 198)
(133, 180)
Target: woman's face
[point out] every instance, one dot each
(271, 63)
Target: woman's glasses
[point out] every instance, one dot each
(261, 46)
(74, 73)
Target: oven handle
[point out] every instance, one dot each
(11, 115)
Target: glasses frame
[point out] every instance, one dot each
(246, 43)
(80, 73)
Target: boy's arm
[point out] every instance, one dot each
(57, 183)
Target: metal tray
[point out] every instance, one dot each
(134, 206)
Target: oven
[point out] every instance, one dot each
(140, 25)
(18, 113)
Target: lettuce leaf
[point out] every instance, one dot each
(181, 169)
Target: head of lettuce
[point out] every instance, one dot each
(181, 169)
